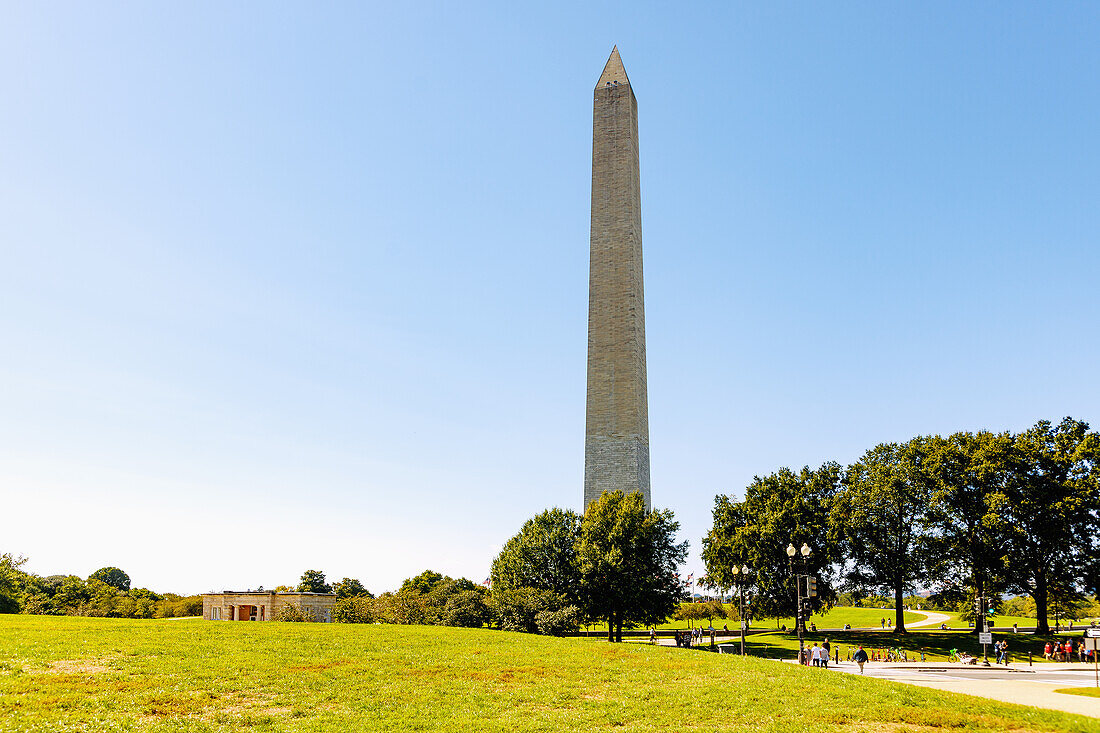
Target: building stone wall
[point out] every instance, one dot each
(228, 606)
(616, 453)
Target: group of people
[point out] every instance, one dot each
(1001, 648)
(819, 655)
(1063, 652)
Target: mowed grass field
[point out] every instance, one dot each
(73, 674)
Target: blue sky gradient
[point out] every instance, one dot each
(305, 286)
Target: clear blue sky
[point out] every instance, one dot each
(288, 287)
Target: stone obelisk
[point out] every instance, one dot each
(616, 442)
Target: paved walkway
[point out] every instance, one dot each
(1022, 685)
(934, 619)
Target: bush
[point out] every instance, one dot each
(295, 613)
(465, 608)
(403, 607)
(354, 610)
(557, 623)
(517, 609)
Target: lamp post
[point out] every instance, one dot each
(804, 554)
(740, 577)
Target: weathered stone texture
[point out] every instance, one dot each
(231, 606)
(616, 454)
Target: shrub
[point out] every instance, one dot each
(465, 608)
(557, 623)
(354, 610)
(295, 613)
(517, 609)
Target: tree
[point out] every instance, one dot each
(112, 577)
(520, 609)
(350, 588)
(965, 469)
(881, 514)
(423, 583)
(628, 558)
(542, 555)
(353, 610)
(779, 509)
(313, 581)
(10, 576)
(465, 608)
(1045, 513)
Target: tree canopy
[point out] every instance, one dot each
(112, 577)
(313, 581)
(628, 559)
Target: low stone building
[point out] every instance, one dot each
(264, 605)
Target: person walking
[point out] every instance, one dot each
(826, 650)
(860, 658)
(883, 622)
(1002, 655)
(815, 655)
(1046, 651)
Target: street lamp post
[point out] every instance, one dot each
(804, 554)
(741, 576)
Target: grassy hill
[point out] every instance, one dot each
(77, 674)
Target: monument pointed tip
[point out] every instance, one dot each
(613, 70)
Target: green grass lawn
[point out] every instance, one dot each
(1084, 691)
(78, 674)
(835, 618)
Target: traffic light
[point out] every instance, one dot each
(811, 587)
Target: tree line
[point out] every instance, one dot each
(968, 515)
(616, 563)
(106, 592)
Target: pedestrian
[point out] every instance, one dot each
(1003, 656)
(1013, 628)
(1067, 650)
(1046, 651)
(883, 622)
(815, 655)
(826, 650)
(860, 658)
(725, 629)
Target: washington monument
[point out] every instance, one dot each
(616, 439)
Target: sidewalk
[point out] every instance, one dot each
(1027, 689)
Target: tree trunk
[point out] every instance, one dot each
(610, 627)
(899, 610)
(619, 631)
(1042, 626)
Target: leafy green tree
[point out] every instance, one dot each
(407, 606)
(424, 583)
(10, 580)
(691, 612)
(354, 610)
(1046, 512)
(628, 558)
(881, 513)
(520, 609)
(965, 555)
(465, 608)
(313, 581)
(779, 509)
(350, 588)
(112, 577)
(542, 555)
(71, 594)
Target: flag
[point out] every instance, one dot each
(691, 577)
(488, 582)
